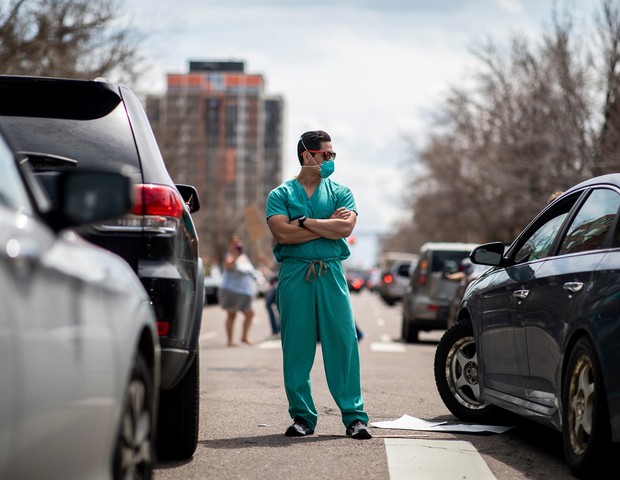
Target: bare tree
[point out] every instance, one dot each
(69, 38)
(607, 151)
(530, 125)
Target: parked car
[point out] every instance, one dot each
(212, 283)
(538, 333)
(61, 124)
(394, 281)
(374, 279)
(79, 353)
(356, 279)
(429, 292)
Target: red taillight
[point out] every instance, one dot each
(358, 283)
(163, 328)
(433, 308)
(159, 200)
(387, 278)
(422, 279)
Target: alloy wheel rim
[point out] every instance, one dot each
(462, 373)
(135, 433)
(581, 399)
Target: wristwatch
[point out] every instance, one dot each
(301, 221)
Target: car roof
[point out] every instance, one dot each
(609, 179)
(459, 246)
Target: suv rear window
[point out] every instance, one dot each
(443, 258)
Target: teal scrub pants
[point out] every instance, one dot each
(313, 299)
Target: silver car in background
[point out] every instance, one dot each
(427, 298)
(79, 352)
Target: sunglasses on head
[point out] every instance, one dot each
(326, 155)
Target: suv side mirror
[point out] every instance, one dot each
(190, 197)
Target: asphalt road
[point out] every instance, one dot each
(244, 415)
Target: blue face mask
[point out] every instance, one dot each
(327, 168)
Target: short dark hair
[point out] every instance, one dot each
(311, 141)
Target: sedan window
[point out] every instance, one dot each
(539, 244)
(589, 228)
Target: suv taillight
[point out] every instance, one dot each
(157, 208)
(423, 272)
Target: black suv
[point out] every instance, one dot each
(63, 124)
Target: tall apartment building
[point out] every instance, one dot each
(219, 131)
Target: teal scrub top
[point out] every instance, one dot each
(290, 199)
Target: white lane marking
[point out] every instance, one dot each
(207, 336)
(380, 322)
(387, 347)
(270, 344)
(434, 460)
(385, 338)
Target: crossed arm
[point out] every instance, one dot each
(340, 224)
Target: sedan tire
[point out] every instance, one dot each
(456, 375)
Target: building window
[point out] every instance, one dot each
(231, 125)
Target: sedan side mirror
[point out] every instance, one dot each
(84, 197)
(488, 254)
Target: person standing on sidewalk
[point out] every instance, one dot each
(237, 289)
(310, 217)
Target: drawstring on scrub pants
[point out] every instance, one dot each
(312, 273)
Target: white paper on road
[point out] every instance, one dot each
(407, 422)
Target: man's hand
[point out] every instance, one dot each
(340, 224)
(341, 213)
(286, 231)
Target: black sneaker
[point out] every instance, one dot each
(300, 428)
(358, 430)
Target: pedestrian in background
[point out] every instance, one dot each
(272, 308)
(238, 289)
(310, 216)
(554, 195)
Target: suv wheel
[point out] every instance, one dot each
(409, 334)
(177, 427)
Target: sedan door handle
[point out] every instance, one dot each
(573, 286)
(520, 294)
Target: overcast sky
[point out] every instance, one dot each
(369, 72)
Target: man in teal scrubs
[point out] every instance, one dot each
(310, 216)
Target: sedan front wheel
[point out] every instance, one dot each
(456, 375)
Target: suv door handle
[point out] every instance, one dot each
(573, 286)
(520, 294)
